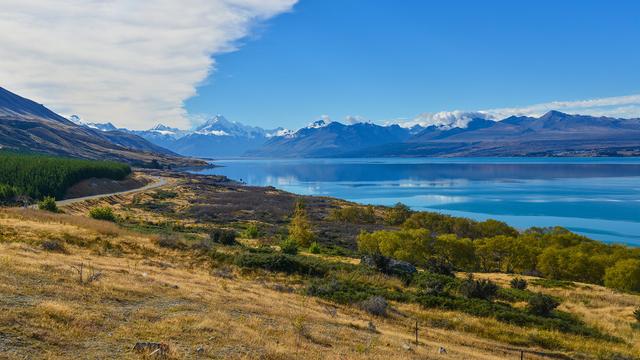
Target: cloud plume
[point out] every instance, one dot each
(129, 62)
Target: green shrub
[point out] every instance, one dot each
(513, 295)
(252, 232)
(103, 213)
(542, 305)
(289, 246)
(284, 263)
(518, 283)
(223, 236)
(354, 214)
(479, 289)
(624, 275)
(314, 248)
(433, 284)
(48, 204)
(397, 215)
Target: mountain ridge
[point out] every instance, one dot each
(27, 125)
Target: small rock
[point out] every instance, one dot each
(442, 350)
(407, 347)
(372, 327)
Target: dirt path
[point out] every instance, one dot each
(158, 182)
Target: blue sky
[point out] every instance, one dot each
(287, 62)
(387, 59)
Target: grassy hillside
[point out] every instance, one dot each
(208, 277)
(38, 175)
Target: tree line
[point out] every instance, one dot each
(37, 176)
(493, 246)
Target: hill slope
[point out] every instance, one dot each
(26, 125)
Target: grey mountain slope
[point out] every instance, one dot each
(27, 125)
(553, 134)
(330, 140)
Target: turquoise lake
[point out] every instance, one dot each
(596, 197)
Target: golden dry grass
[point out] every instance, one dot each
(147, 293)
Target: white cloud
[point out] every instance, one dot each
(129, 62)
(355, 119)
(619, 106)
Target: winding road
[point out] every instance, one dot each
(159, 181)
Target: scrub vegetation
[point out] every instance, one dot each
(163, 280)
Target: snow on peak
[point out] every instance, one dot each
(445, 119)
(318, 124)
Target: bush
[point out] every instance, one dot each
(103, 213)
(518, 283)
(433, 284)
(314, 248)
(252, 232)
(48, 204)
(284, 263)
(54, 246)
(542, 305)
(354, 214)
(479, 289)
(289, 246)
(171, 241)
(375, 305)
(397, 215)
(624, 275)
(223, 236)
(439, 266)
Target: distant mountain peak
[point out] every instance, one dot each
(318, 124)
(554, 114)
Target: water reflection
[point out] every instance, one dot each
(591, 196)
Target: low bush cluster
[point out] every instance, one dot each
(284, 263)
(518, 283)
(103, 213)
(223, 236)
(289, 246)
(48, 204)
(542, 305)
(252, 231)
(354, 214)
(479, 289)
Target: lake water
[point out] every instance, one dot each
(597, 197)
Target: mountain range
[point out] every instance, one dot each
(552, 134)
(28, 126)
(217, 137)
(25, 124)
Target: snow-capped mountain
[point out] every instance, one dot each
(323, 138)
(102, 127)
(216, 137)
